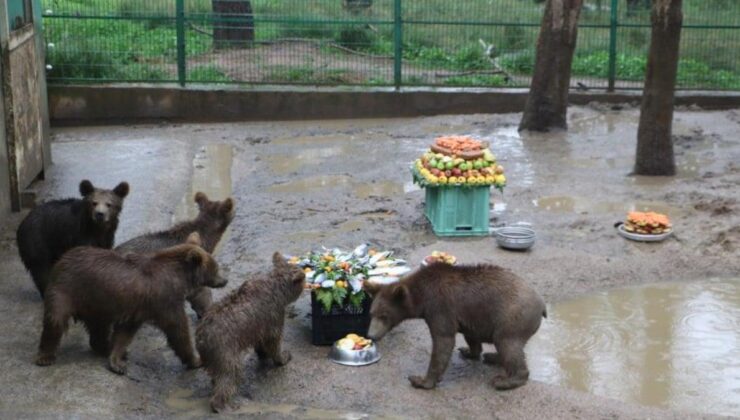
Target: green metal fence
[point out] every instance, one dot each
(479, 43)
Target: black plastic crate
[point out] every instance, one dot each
(328, 327)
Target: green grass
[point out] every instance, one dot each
(132, 49)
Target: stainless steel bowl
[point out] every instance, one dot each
(515, 237)
(363, 357)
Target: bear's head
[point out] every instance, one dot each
(290, 278)
(104, 205)
(214, 216)
(202, 268)
(391, 305)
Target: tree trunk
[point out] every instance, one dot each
(547, 102)
(234, 24)
(654, 144)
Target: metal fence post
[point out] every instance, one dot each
(180, 25)
(397, 44)
(613, 23)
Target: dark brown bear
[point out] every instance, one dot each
(486, 303)
(103, 288)
(250, 317)
(212, 220)
(55, 227)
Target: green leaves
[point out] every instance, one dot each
(357, 298)
(338, 294)
(326, 297)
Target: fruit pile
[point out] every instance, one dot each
(438, 256)
(336, 276)
(459, 161)
(647, 223)
(354, 342)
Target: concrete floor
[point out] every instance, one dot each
(299, 185)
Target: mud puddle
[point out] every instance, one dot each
(674, 345)
(182, 401)
(212, 176)
(581, 205)
(361, 190)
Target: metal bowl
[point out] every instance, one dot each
(515, 237)
(362, 357)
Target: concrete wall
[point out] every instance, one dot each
(119, 103)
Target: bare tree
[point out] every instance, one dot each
(547, 102)
(654, 145)
(234, 25)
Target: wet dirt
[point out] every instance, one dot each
(673, 345)
(584, 205)
(301, 185)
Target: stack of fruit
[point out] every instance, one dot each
(354, 342)
(459, 161)
(647, 223)
(336, 276)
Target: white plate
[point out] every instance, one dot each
(641, 237)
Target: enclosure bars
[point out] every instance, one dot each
(397, 44)
(613, 22)
(181, 58)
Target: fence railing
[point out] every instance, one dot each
(479, 43)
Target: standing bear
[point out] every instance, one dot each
(250, 317)
(486, 303)
(53, 228)
(212, 220)
(105, 289)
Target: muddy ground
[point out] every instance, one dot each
(300, 185)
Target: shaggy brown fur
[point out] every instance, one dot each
(212, 220)
(250, 317)
(103, 288)
(55, 227)
(486, 303)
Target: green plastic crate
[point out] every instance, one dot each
(458, 211)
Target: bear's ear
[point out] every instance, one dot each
(278, 259)
(371, 288)
(194, 239)
(201, 199)
(401, 294)
(121, 190)
(194, 257)
(86, 188)
(227, 206)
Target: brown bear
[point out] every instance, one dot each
(55, 227)
(212, 220)
(250, 317)
(103, 288)
(486, 303)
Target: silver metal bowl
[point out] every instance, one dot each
(362, 357)
(515, 237)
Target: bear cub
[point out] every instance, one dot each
(486, 303)
(53, 228)
(250, 317)
(105, 290)
(212, 220)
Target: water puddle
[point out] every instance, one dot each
(308, 184)
(674, 345)
(379, 189)
(211, 175)
(570, 204)
(182, 401)
(506, 144)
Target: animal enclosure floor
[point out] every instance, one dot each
(300, 185)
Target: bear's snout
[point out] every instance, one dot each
(99, 216)
(377, 329)
(219, 282)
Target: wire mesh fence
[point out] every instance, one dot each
(479, 43)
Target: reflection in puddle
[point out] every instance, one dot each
(379, 189)
(211, 175)
(671, 345)
(308, 184)
(182, 401)
(568, 204)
